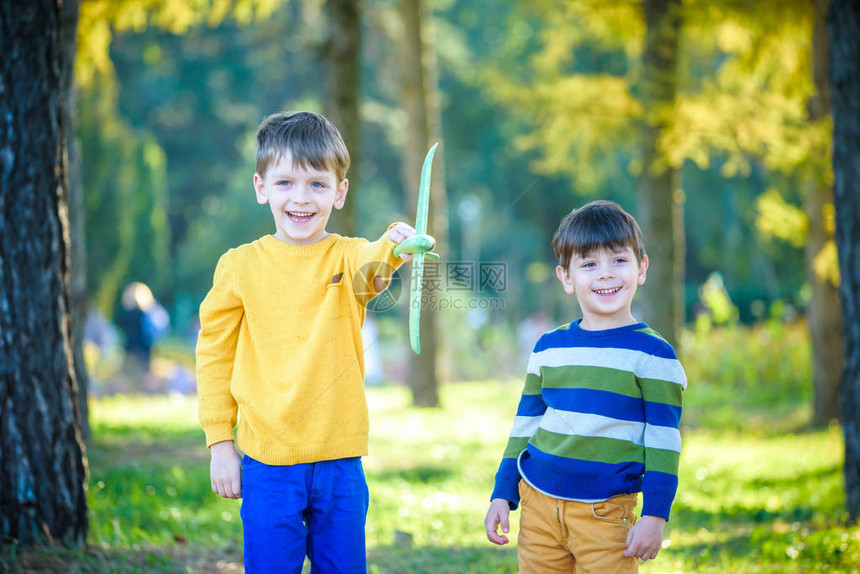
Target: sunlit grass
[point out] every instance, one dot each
(430, 472)
(748, 501)
(745, 501)
(149, 476)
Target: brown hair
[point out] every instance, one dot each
(311, 139)
(596, 225)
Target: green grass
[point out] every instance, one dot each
(759, 490)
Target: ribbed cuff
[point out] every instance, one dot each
(655, 505)
(218, 433)
(506, 493)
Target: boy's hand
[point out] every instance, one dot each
(645, 538)
(225, 470)
(498, 515)
(400, 232)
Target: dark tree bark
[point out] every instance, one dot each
(77, 212)
(661, 212)
(342, 72)
(42, 460)
(844, 31)
(825, 314)
(419, 96)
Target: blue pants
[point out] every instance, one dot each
(316, 510)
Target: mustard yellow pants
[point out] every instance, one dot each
(563, 536)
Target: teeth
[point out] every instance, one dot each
(607, 291)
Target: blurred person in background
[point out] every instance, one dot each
(143, 322)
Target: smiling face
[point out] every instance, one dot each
(604, 281)
(301, 199)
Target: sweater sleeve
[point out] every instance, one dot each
(220, 318)
(662, 388)
(370, 260)
(530, 411)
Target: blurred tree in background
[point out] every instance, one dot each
(419, 96)
(660, 199)
(341, 55)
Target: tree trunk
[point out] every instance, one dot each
(342, 71)
(824, 318)
(419, 95)
(844, 31)
(661, 212)
(42, 460)
(77, 214)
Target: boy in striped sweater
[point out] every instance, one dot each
(598, 419)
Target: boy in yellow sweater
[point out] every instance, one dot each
(280, 351)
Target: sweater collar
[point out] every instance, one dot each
(272, 242)
(575, 329)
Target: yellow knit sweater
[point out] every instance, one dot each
(280, 346)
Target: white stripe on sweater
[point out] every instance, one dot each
(525, 426)
(589, 425)
(666, 438)
(641, 364)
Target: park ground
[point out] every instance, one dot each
(760, 491)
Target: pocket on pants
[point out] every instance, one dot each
(525, 490)
(618, 510)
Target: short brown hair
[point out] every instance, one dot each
(311, 139)
(597, 225)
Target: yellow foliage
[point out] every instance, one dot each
(577, 119)
(715, 297)
(779, 219)
(93, 42)
(826, 264)
(99, 19)
(177, 17)
(744, 80)
(606, 25)
(734, 37)
(130, 16)
(557, 53)
(754, 106)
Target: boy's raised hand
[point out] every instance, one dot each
(398, 233)
(498, 515)
(645, 538)
(225, 470)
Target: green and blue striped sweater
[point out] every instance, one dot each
(598, 417)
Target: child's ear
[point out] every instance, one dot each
(643, 270)
(340, 193)
(260, 189)
(565, 279)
